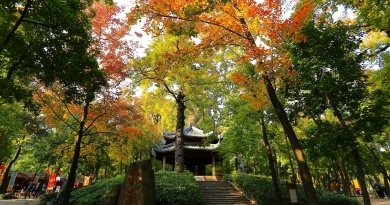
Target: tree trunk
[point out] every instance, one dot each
(253, 166)
(294, 178)
(346, 181)
(355, 153)
(3, 186)
(65, 194)
(275, 180)
(179, 141)
(296, 146)
(277, 167)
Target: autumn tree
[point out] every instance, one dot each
(78, 106)
(258, 28)
(176, 71)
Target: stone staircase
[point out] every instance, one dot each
(222, 193)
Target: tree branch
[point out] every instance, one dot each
(16, 26)
(40, 24)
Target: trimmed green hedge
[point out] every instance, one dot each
(260, 189)
(96, 193)
(177, 189)
(171, 188)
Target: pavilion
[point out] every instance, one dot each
(197, 152)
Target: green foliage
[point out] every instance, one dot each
(260, 189)
(47, 41)
(328, 198)
(11, 125)
(173, 188)
(48, 198)
(7, 196)
(227, 177)
(328, 67)
(96, 193)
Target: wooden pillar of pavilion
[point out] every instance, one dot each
(164, 162)
(213, 164)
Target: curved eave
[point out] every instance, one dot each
(191, 132)
(171, 148)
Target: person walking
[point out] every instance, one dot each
(29, 190)
(37, 190)
(14, 188)
(44, 187)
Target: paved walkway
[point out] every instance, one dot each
(376, 201)
(19, 202)
(22, 201)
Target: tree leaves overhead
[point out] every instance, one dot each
(46, 41)
(327, 65)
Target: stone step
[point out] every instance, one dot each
(220, 192)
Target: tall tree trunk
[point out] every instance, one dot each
(275, 180)
(65, 194)
(288, 129)
(179, 141)
(296, 146)
(355, 153)
(382, 169)
(3, 186)
(294, 178)
(277, 167)
(253, 166)
(346, 181)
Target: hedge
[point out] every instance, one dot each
(177, 189)
(171, 188)
(260, 189)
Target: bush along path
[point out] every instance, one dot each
(260, 190)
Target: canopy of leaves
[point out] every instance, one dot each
(45, 41)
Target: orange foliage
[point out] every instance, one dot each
(260, 29)
(109, 32)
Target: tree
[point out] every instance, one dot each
(76, 114)
(331, 77)
(175, 70)
(21, 126)
(80, 99)
(238, 23)
(240, 141)
(42, 40)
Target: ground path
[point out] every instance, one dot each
(22, 201)
(374, 201)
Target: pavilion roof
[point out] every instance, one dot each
(190, 131)
(171, 147)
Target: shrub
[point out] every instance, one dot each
(327, 198)
(177, 189)
(47, 198)
(96, 193)
(7, 196)
(260, 189)
(171, 188)
(227, 177)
